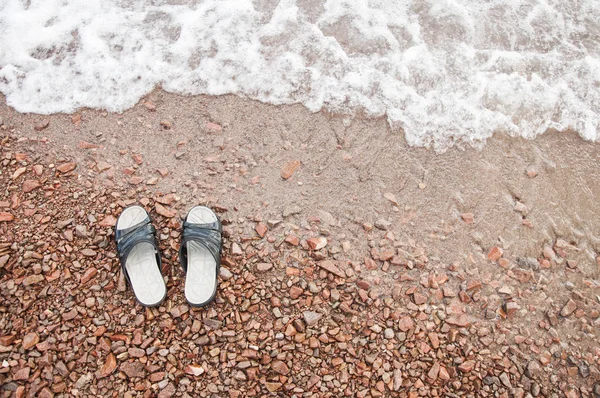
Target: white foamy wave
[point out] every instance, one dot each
(444, 71)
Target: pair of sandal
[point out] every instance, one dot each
(199, 254)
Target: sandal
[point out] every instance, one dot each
(200, 255)
(140, 257)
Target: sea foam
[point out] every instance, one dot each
(443, 71)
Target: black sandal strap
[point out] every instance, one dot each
(128, 238)
(208, 235)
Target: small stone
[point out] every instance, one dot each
(236, 250)
(168, 391)
(30, 185)
(495, 253)
(512, 308)
(443, 374)
(45, 393)
(81, 231)
(569, 308)
(165, 124)
(382, 224)
(419, 298)
(32, 280)
(295, 292)
(584, 369)
(30, 340)
(461, 320)
(292, 240)
(288, 170)
(388, 333)
(264, 266)
(133, 369)
(135, 180)
(137, 158)
(194, 370)
(330, 266)
(102, 166)
(531, 171)
(405, 323)
(179, 310)
(88, 252)
(89, 274)
(5, 216)
(213, 127)
(225, 274)
(67, 316)
(280, 367)
(109, 366)
(466, 366)
(108, 221)
(533, 369)
(39, 126)
(63, 224)
(468, 218)
(391, 197)
(520, 208)
(18, 172)
(163, 211)
(317, 243)
(505, 380)
(272, 387)
(151, 106)
(66, 167)
(434, 371)
(311, 318)
(397, 377)
(434, 339)
(22, 374)
(261, 229)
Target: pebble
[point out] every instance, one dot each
(289, 169)
(405, 323)
(264, 266)
(30, 340)
(533, 369)
(388, 333)
(568, 308)
(280, 367)
(495, 253)
(30, 185)
(317, 243)
(382, 224)
(505, 379)
(466, 366)
(225, 274)
(311, 318)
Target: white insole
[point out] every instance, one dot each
(201, 278)
(146, 279)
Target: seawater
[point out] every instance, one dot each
(444, 72)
